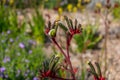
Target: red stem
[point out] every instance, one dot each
(66, 57)
(67, 48)
(58, 78)
(53, 39)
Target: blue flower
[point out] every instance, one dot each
(6, 59)
(21, 45)
(2, 69)
(30, 51)
(11, 40)
(35, 78)
(8, 32)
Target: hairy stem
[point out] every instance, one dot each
(70, 64)
(59, 47)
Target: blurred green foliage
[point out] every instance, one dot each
(51, 3)
(30, 3)
(88, 38)
(8, 19)
(37, 26)
(116, 12)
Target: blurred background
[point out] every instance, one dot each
(24, 46)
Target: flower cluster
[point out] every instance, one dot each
(18, 52)
(2, 74)
(76, 29)
(72, 29)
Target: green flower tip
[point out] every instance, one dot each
(52, 33)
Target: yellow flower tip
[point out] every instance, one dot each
(62, 18)
(56, 22)
(69, 7)
(57, 55)
(98, 5)
(60, 10)
(74, 9)
(58, 18)
(88, 62)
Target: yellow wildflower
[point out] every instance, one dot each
(74, 9)
(60, 10)
(39, 40)
(69, 7)
(81, 7)
(98, 5)
(79, 1)
(4, 1)
(78, 5)
(88, 31)
(11, 2)
(87, 1)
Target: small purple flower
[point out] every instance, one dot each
(32, 73)
(21, 45)
(30, 51)
(18, 73)
(6, 76)
(2, 69)
(27, 61)
(8, 32)
(32, 42)
(26, 74)
(28, 71)
(3, 33)
(35, 78)
(6, 59)
(11, 40)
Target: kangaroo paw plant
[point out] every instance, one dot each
(51, 67)
(97, 74)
